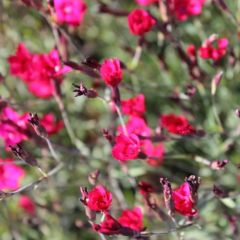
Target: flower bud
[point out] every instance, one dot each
(167, 193)
(37, 126)
(23, 155)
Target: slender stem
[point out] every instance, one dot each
(136, 57)
(79, 145)
(51, 149)
(121, 120)
(215, 112)
(35, 183)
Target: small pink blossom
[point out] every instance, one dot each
(13, 127)
(27, 204)
(49, 122)
(183, 9)
(182, 200)
(111, 72)
(154, 153)
(132, 218)
(126, 147)
(71, 12)
(10, 175)
(146, 2)
(134, 106)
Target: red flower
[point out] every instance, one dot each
(126, 147)
(10, 175)
(70, 11)
(111, 72)
(19, 63)
(176, 124)
(50, 124)
(136, 125)
(208, 51)
(183, 9)
(182, 200)
(146, 2)
(155, 153)
(27, 204)
(37, 70)
(99, 199)
(110, 226)
(140, 22)
(134, 106)
(132, 219)
(191, 51)
(13, 126)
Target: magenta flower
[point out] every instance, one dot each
(38, 71)
(49, 122)
(27, 204)
(134, 106)
(182, 200)
(183, 9)
(140, 22)
(13, 126)
(126, 147)
(146, 2)
(10, 175)
(111, 72)
(132, 218)
(70, 11)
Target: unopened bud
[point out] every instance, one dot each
(219, 164)
(23, 155)
(194, 183)
(167, 193)
(37, 126)
(93, 177)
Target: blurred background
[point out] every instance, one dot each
(163, 78)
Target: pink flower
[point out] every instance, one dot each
(140, 22)
(134, 106)
(110, 226)
(183, 9)
(182, 200)
(70, 11)
(13, 127)
(208, 51)
(49, 122)
(126, 147)
(136, 125)
(191, 51)
(146, 2)
(132, 219)
(27, 204)
(176, 124)
(10, 175)
(99, 199)
(155, 153)
(38, 71)
(111, 72)
(19, 63)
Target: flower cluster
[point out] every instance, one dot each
(14, 127)
(183, 9)
(99, 199)
(209, 51)
(70, 11)
(40, 72)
